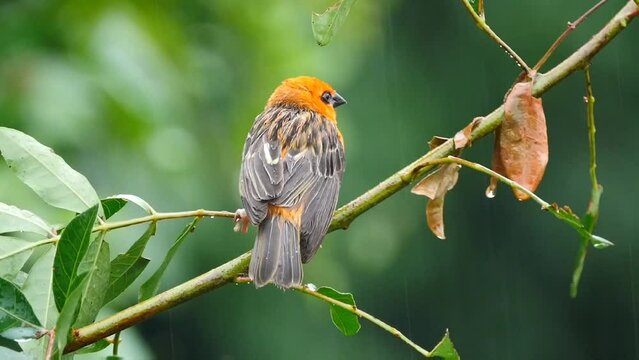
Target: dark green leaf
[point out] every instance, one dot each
(150, 287)
(97, 267)
(9, 344)
(72, 247)
(38, 289)
(15, 310)
(125, 268)
(45, 172)
(478, 7)
(111, 206)
(136, 200)
(69, 312)
(13, 219)
(326, 24)
(10, 266)
(95, 347)
(445, 349)
(344, 320)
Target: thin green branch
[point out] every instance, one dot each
(571, 26)
(363, 314)
(346, 214)
(592, 212)
(116, 343)
(481, 23)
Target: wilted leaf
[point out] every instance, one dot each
(445, 349)
(326, 24)
(462, 137)
(38, 289)
(97, 267)
(45, 172)
(13, 219)
(436, 141)
(10, 266)
(15, 309)
(521, 143)
(435, 186)
(344, 320)
(150, 287)
(72, 247)
(125, 268)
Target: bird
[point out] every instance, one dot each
(292, 167)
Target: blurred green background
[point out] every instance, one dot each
(155, 98)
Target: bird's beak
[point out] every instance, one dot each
(338, 100)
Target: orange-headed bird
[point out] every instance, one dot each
(292, 168)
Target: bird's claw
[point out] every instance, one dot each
(241, 221)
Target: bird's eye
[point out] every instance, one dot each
(327, 97)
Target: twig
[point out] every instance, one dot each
(106, 226)
(345, 215)
(116, 343)
(484, 26)
(592, 212)
(363, 314)
(49, 353)
(571, 26)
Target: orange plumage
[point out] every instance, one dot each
(292, 167)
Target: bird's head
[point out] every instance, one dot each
(309, 93)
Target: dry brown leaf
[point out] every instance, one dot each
(436, 141)
(435, 186)
(462, 137)
(521, 142)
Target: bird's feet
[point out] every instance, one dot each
(241, 221)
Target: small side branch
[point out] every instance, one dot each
(571, 26)
(481, 23)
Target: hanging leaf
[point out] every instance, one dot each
(445, 349)
(96, 266)
(344, 320)
(95, 347)
(435, 186)
(125, 268)
(13, 219)
(15, 310)
(69, 312)
(326, 24)
(72, 247)
(45, 172)
(521, 142)
(38, 289)
(462, 137)
(150, 287)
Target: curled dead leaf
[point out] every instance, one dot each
(435, 186)
(462, 137)
(521, 142)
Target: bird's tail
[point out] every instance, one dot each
(276, 255)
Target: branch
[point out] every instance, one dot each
(571, 26)
(481, 23)
(225, 273)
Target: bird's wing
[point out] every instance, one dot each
(300, 166)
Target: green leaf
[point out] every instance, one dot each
(150, 287)
(15, 310)
(326, 24)
(478, 7)
(95, 347)
(13, 219)
(69, 312)
(125, 268)
(45, 172)
(445, 349)
(38, 289)
(136, 200)
(10, 266)
(97, 267)
(111, 206)
(344, 320)
(8, 344)
(72, 247)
